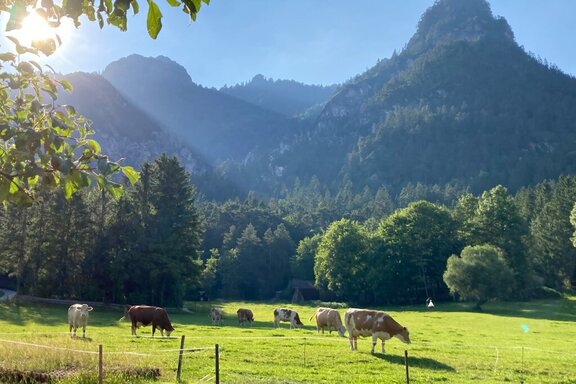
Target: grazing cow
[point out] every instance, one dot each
(329, 318)
(283, 314)
(378, 324)
(245, 315)
(217, 316)
(78, 317)
(143, 315)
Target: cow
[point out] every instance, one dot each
(78, 317)
(143, 315)
(217, 316)
(378, 324)
(284, 314)
(245, 315)
(329, 318)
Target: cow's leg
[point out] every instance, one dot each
(351, 340)
(70, 329)
(83, 331)
(374, 340)
(162, 332)
(133, 329)
(382, 346)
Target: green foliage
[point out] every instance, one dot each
(341, 263)
(105, 12)
(551, 246)
(414, 243)
(496, 220)
(302, 263)
(480, 273)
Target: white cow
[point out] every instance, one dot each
(78, 317)
(284, 314)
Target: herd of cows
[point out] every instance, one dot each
(357, 322)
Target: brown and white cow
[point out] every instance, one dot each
(378, 324)
(217, 316)
(245, 315)
(329, 318)
(78, 317)
(143, 315)
(284, 314)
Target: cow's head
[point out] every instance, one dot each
(403, 335)
(84, 309)
(341, 331)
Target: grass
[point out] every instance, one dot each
(528, 342)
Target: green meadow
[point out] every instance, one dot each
(520, 342)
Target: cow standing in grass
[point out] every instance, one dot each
(245, 315)
(143, 315)
(378, 324)
(330, 319)
(78, 317)
(217, 316)
(284, 314)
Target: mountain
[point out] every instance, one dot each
(287, 97)
(124, 131)
(461, 103)
(218, 126)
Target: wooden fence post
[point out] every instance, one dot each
(406, 364)
(179, 371)
(217, 358)
(100, 370)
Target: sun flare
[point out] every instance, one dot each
(36, 28)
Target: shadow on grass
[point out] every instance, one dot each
(418, 362)
(551, 309)
(17, 314)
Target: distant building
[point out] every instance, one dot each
(302, 290)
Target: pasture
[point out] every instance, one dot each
(530, 342)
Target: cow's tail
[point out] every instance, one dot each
(122, 318)
(312, 317)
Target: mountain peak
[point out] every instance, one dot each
(449, 21)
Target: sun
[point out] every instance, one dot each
(35, 28)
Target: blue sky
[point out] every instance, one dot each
(311, 41)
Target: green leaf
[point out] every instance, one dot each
(17, 15)
(25, 67)
(94, 146)
(7, 56)
(131, 174)
(135, 6)
(173, 3)
(4, 189)
(154, 20)
(46, 46)
(66, 84)
(70, 188)
(114, 189)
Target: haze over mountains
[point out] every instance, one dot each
(462, 103)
